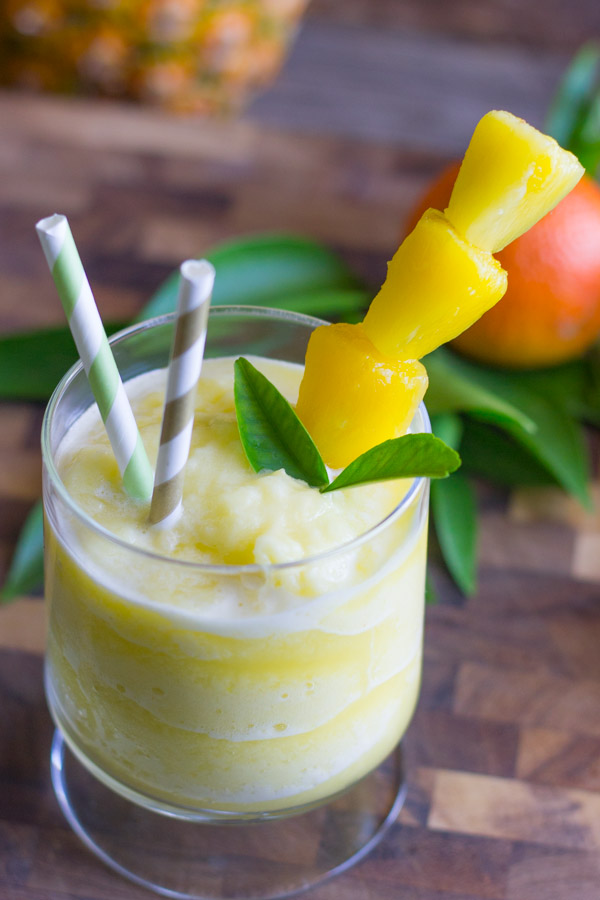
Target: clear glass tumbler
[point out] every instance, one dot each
(283, 724)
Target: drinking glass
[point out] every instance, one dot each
(227, 731)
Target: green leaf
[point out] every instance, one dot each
(574, 386)
(493, 454)
(273, 437)
(32, 363)
(573, 95)
(588, 404)
(409, 456)
(431, 594)
(283, 271)
(556, 440)
(454, 513)
(26, 571)
(587, 145)
(452, 388)
(449, 428)
(329, 303)
(574, 117)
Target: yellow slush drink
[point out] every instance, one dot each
(262, 654)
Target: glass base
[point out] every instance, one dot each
(238, 861)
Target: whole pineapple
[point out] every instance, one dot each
(190, 55)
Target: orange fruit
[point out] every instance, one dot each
(551, 310)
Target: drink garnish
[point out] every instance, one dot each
(409, 456)
(272, 435)
(273, 438)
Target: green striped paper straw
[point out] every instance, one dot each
(185, 363)
(97, 358)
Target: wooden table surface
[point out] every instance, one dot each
(504, 752)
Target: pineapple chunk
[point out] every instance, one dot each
(351, 397)
(437, 285)
(510, 177)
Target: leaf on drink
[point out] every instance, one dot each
(27, 567)
(272, 435)
(454, 512)
(409, 456)
(284, 271)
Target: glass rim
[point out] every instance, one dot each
(63, 385)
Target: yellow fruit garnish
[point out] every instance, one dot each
(510, 177)
(351, 397)
(362, 385)
(437, 285)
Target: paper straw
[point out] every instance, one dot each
(195, 289)
(97, 358)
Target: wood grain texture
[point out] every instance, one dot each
(504, 751)
(556, 24)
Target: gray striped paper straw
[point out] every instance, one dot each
(195, 289)
(97, 358)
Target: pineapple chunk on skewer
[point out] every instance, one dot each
(437, 285)
(352, 397)
(510, 177)
(440, 281)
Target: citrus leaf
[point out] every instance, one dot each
(574, 117)
(449, 428)
(328, 303)
(493, 454)
(32, 363)
(574, 386)
(272, 435)
(454, 389)
(26, 571)
(589, 403)
(573, 95)
(431, 594)
(566, 384)
(273, 270)
(409, 456)
(557, 441)
(454, 512)
(587, 144)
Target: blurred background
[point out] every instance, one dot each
(374, 97)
